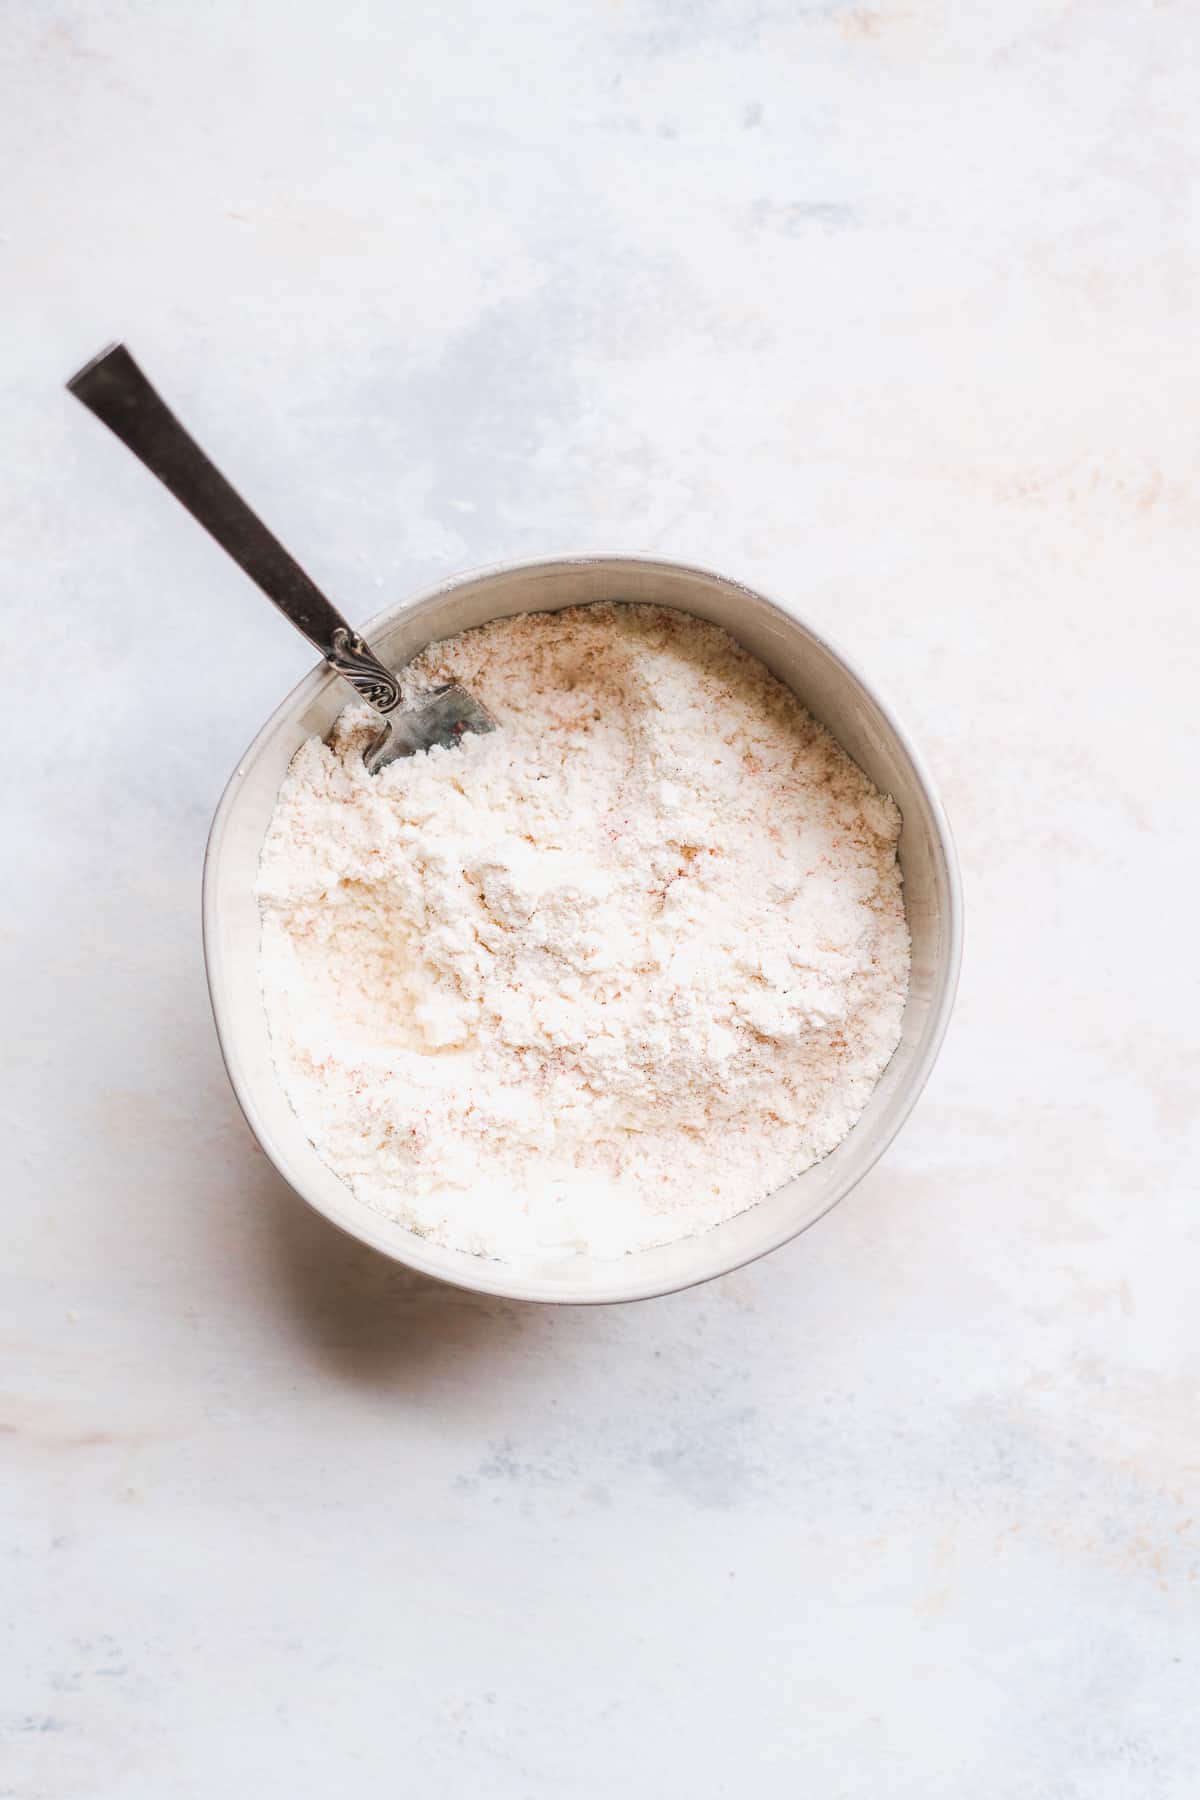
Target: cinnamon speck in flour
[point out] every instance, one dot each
(601, 978)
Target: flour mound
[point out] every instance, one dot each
(601, 978)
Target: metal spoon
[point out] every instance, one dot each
(115, 389)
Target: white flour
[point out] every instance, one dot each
(601, 978)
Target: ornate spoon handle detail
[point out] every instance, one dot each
(114, 388)
(358, 664)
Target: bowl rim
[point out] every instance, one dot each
(491, 1276)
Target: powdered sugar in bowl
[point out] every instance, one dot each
(536, 1268)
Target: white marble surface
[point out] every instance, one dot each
(888, 306)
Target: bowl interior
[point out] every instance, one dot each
(830, 689)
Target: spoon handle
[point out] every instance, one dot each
(114, 388)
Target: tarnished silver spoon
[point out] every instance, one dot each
(114, 388)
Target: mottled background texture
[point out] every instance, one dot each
(891, 307)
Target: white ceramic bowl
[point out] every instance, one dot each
(832, 690)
